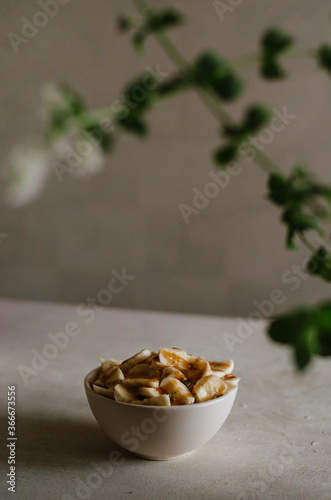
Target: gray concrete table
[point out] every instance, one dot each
(276, 443)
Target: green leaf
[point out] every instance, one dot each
(307, 330)
(287, 328)
(325, 343)
(306, 347)
(256, 116)
(209, 67)
(299, 220)
(138, 94)
(324, 57)
(138, 40)
(278, 189)
(324, 325)
(76, 104)
(163, 19)
(271, 69)
(320, 264)
(210, 71)
(103, 138)
(134, 123)
(124, 23)
(275, 41)
(68, 104)
(228, 87)
(290, 245)
(156, 21)
(225, 154)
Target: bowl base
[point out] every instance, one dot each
(163, 458)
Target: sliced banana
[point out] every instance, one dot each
(172, 372)
(231, 382)
(178, 392)
(169, 376)
(141, 381)
(149, 392)
(174, 357)
(109, 393)
(140, 357)
(125, 394)
(99, 382)
(221, 368)
(105, 365)
(162, 400)
(113, 376)
(209, 387)
(143, 370)
(198, 368)
(153, 355)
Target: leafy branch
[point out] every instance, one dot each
(304, 203)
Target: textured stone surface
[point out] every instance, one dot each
(64, 245)
(275, 444)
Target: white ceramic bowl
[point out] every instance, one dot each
(158, 432)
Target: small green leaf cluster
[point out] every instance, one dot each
(273, 43)
(210, 72)
(256, 116)
(308, 330)
(63, 105)
(140, 95)
(320, 264)
(155, 22)
(324, 57)
(124, 23)
(296, 194)
(66, 108)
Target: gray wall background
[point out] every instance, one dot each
(64, 245)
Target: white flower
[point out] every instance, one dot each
(26, 175)
(53, 97)
(77, 152)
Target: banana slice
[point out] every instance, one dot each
(153, 356)
(125, 394)
(109, 393)
(149, 392)
(172, 372)
(141, 381)
(105, 365)
(99, 382)
(174, 357)
(143, 370)
(140, 357)
(163, 400)
(178, 392)
(221, 368)
(231, 382)
(113, 376)
(198, 368)
(209, 387)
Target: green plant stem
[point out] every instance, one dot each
(209, 100)
(265, 161)
(307, 243)
(295, 52)
(98, 113)
(213, 104)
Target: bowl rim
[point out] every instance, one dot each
(92, 373)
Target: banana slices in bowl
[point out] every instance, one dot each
(169, 377)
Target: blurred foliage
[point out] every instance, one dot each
(304, 203)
